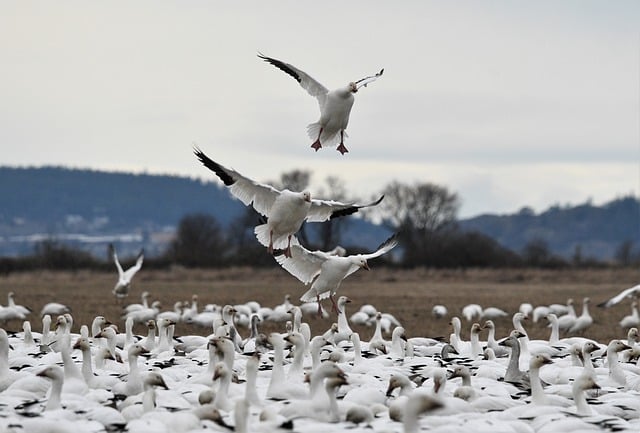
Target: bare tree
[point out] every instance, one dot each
(418, 212)
(423, 206)
(199, 242)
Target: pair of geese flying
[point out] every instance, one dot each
(286, 210)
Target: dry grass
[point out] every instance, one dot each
(408, 295)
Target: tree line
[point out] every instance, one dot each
(424, 216)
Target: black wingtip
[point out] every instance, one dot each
(393, 239)
(214, 166)
(603, 304)
(280, 65)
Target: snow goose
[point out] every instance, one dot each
(144, 303)
(406, 387)
(278, 388)
(630, 292)
(134, 407)
(325, 272)
(377, 344)
(493, 313)
(493, 398)
(54, 309)
(134, 383)
(92, 380)
(285, 210)
(566, 321)
(176, 422)
(454, 338)
(514, 374)
(344, 330)
(474, 338)
(439, 311)
(419, 402)
(144, 314)
(632, 320)
(335, 105)
(19, 308)
(316, 403)
(121, 289)
(584, 321)
(492, 343)
(472, 312)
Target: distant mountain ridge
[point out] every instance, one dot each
(591, 231)
(93, 207)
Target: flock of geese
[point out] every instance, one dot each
(94, 378)
(101, 380)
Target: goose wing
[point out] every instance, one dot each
(129, 273)
(362, 82)
(249, 192)
(114, 256)
(303, 264)
(308, 83)
(322, 210)
(635, 290)
(385, 247)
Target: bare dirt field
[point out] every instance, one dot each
(408, 295)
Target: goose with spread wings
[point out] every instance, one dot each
(326, 270)
(121, 289)
(627, 293)
(285, 210)
(335, 105)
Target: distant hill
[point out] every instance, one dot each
(91, 208)
(598, 231)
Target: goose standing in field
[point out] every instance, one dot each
(19, 308)
(632, 320)
(583, 321)
(285, 210)
(325, 272)
(566, 321)
(344, 330)
(121, 289)
(335, 105)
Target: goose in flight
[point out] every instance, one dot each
(121, 289)
(627, 293)
(326, 271)
(335, 105)
(285, 210)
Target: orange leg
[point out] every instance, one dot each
(316, 144)
(341, 147)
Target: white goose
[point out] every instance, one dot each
(632, 320)
(325, 272)
(335, 105)
(285, 210)
(121, 289)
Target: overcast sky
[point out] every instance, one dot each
(506, 103)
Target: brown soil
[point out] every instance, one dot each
(408, 295)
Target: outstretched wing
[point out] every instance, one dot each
(129, 273)
(362, 82)
(322, 210)
(308, 83)
(248, 191)
(632, 291)
(114, 256)
(303, 264)
(385, 247)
